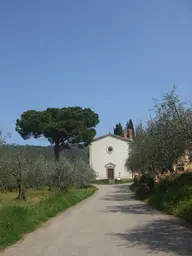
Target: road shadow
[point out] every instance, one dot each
(121, 188)
(160, 235)
(130, 204)
(121, 193)
(132, 208)
(119, 197)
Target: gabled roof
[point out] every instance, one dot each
(111, 135)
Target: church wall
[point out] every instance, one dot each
(99, 157)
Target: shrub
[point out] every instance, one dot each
(147, 180)
(83, 174)
(142, 193)
(174, 196)
(62, 175)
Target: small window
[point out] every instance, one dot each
(109, 149)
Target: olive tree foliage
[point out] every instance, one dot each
(82, 174)
(60, 126)
(18, 172)
(6, 180)
(164, 139)
(68, 172)
(4, 138)
(137, 159)
(40, 173)
(62, 175)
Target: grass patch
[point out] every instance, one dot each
(16, 219)
(106, 181)
(171, 195)
(100, 182)
(33, 197)
(126, 181)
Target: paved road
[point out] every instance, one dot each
(109, 223)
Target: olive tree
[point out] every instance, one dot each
(83, 174)
(166, 137)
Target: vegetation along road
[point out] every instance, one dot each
(111, 222)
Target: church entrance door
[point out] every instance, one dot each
(110, 173)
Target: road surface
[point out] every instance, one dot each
(110, 223)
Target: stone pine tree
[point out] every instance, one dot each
(61, 126)
(118, 130)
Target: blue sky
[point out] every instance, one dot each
(112, 56)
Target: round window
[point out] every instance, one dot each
(109, 149)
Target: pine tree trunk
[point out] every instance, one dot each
(57, 152)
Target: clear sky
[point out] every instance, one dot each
(112, 56)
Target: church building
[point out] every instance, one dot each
(107, 156)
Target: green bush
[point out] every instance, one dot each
(142, 193)
(174, 196)
(147, 179)
(17, 220)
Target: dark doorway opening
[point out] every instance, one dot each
(110, 173)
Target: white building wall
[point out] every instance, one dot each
(99, 157)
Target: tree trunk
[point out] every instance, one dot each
(132, 172)
(170, 167)
(57, 152)
(21, 195)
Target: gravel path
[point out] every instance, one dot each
(110, 223)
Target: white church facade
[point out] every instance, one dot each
(107, 156)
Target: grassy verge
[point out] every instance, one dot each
(33, 197)
(16, 219)
(173, 196)
(106, 181)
